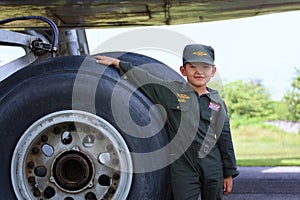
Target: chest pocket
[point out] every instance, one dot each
(180, 107)
(210, 118)
(185, 116)
(214, 119)
(207, 116)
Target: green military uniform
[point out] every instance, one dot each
(209, 156)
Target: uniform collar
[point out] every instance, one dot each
(213, 95)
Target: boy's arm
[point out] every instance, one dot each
(149, 84)
(227, 151)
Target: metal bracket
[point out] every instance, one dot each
(15, 65)
(35, 48)
(15, 38)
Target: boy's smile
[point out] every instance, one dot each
(198, 75)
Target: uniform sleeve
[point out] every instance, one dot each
(150, 85)
(227, 151)
(124, 67)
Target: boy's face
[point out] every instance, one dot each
(198, 74)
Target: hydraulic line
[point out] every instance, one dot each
(48, 21)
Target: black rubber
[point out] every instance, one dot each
(46, 86)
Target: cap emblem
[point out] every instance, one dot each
(200, 53)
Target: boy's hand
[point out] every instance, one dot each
(104, 60)
(228, 185)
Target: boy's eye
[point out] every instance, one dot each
(199, 67)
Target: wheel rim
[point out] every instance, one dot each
(71, 153)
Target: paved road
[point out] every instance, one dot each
(266, 183)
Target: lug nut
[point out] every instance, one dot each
(116, 176)
(56, 130)
(31, 179)
(44, 138)
(115, 161)
(100, 136)
(30, 164)
(36, 193)
(111, 190)
(35, 150)
(110, 147)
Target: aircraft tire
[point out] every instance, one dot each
(50, 120)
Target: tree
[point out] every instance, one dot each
(292, 98)
(248, 99)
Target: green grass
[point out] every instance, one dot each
(265, 146)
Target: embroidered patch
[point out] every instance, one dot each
(182, 97)
(214, 106)
(199, 53)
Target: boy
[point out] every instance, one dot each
(206, 167)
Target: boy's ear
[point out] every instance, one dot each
(182, 70)
(214, 70)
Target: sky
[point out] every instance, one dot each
(264, 48)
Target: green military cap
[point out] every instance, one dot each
(198, 53)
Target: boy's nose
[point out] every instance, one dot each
(199, 69)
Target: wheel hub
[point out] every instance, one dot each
(71, 155)
(72, 171)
